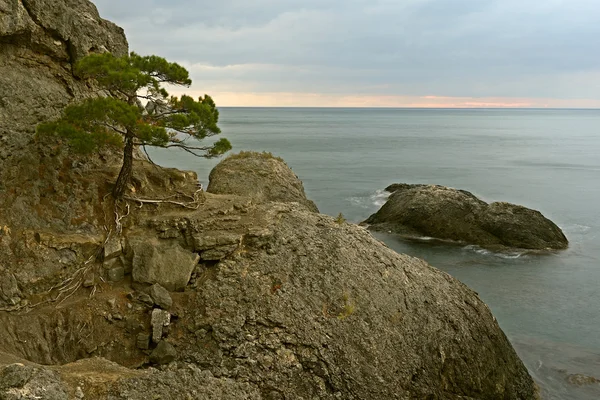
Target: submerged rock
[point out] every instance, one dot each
(260, 176)
(452, 214)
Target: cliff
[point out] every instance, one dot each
(176, 293)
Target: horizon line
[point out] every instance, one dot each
(422, 108)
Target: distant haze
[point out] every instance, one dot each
(375, 53)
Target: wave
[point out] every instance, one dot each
(370, 200)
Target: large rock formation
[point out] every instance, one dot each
(303, 307)
(457, 215)
(260, 176)
(274, 301)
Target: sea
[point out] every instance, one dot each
(546, 159)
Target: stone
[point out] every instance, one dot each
(133, 326)
(163, 262)
(115, 274)
(160, 320)
(161, 296)
(18, 381)
(457, 215)
(10, 294)
(89, 279)
(260, 176)
(112, 248)
(164, 353)
(146, 299)
(143, 341)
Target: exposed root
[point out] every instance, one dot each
(193, 204)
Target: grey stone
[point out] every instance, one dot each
(18, 381)
(89, 279)
(451, 214)
(160, 320)
(10, 294)
(116, 274)
(164, 353)
(163, 262)
(143, 341)
(146, 299)
(112, 248)
(161, 296)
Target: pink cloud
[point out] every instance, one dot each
(290, 99)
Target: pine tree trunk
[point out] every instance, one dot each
(126, 169)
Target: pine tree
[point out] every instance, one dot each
(120, 119)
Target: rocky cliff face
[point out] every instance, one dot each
(40, 41)
(176, 293)
(49, 199)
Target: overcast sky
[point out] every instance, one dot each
(522, 53)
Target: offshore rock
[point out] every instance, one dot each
(260, 176)
(451, 214)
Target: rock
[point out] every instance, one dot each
(89, 279)
(260, 176)
(10, 294)
(333, 313)
(581, 380)
(39, 42)
(143, 341)
(451, 214)
(112, 249)
(115, 274)
(160, 319)
(161, 296)
(146, 299)
(164, 353)
(162, 262)
(18, 381)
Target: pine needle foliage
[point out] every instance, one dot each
(135, 109)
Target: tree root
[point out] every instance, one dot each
(193, 204)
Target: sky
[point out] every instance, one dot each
(375, 53)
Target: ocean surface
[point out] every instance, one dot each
(549, 160)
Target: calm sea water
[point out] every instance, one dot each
(549, 160)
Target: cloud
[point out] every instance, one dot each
(459, 48)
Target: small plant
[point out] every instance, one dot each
(248, 154)
(340, 219)
(348, 309)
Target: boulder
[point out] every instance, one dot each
(260, 176)
(457, 215)
(162, 262)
